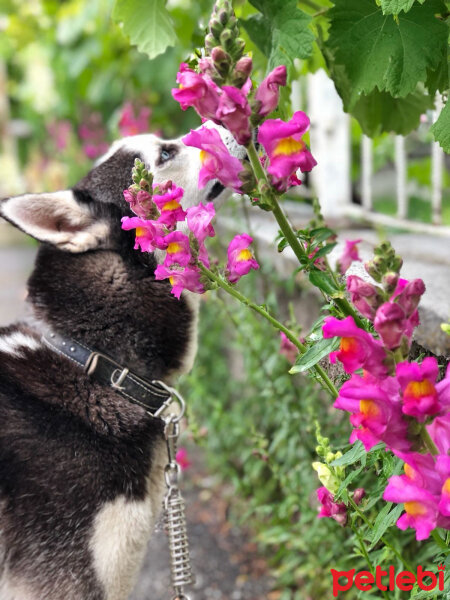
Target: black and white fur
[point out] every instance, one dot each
(81, 469)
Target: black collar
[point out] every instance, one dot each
(154, 396)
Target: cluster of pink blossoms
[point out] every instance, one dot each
(133, 121)
(234, 108)
(393, 398)
(158, 213)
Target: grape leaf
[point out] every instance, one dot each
(393, 7)
(147, 24)
(281, 31)
(441, 129)
(380, 51)
(379, 112)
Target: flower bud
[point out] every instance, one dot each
(210, 42)
(221, 60)
(390, 281)
(215, 27)
(358, 495)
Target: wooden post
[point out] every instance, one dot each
(400, 171)
(366, 172)
(437, 168)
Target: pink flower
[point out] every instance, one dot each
(376, 412)
(181, 279)
(199, 221)
(197, 90)
(439, 431)
(408, 294)
(287, 348)
(349, 254)
(443, 468)
(358, 349)
(285, 148)
(234, 112)
(183, 459)
(319, 262)
(365, 296)
(390, 324)
(149, 234)
(268, 92)
(358, 495)
(178, 249)
(170, 207)
(141, 203)
(330, 508)
(421, 506)
(216, 160)
(60, 133)
(130, 124)
(421, 394)
(240, 258)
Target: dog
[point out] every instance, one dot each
(82, 466)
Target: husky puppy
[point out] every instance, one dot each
(81, 467)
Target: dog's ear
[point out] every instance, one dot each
(57, 218)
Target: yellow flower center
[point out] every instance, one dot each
(140, 231)
(409, 471)
(172, 280)
(288, 146)
(419, 389)
(244, 255)
(171, 205)
(204, 156)
(174, 247)
(415, 508)
(369, 408)
(446, 487)
(348, 344)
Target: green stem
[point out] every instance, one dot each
(382, 539)
(323, 378)
(289, 233)
(429, 444)
(366, 555)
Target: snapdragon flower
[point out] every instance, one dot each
(197, 90)
(365, 296)
(240, 258)
(217, 162)
(181, 279)
(330, 508)
(170, 207)
(268, 92)
(349, 254)
(375, 411)
(149, 234)
(287, 348)
(358, 349)
(178, 249)
(234, 113)
(199, 219)
(285, 148)
(422, 396)
(131, 123)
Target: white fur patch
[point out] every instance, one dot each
(12, 589)
(12, 343)
(122, 529)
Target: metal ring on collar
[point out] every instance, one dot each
(174, 394)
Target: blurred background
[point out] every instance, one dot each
(70, 83)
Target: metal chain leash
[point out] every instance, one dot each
(174, 507)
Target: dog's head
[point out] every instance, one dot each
(88, 216)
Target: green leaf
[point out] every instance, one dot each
(323, 282)
(281, 32)
(314, 354)
(321, 234)
(392, 54)
(385, 519)
(325, 250)
(147, 24)
(379, 112)
(356, 453)
(441, 129)
(393, 7)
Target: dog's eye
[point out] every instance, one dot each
(167, 152)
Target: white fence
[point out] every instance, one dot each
(331, 179)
